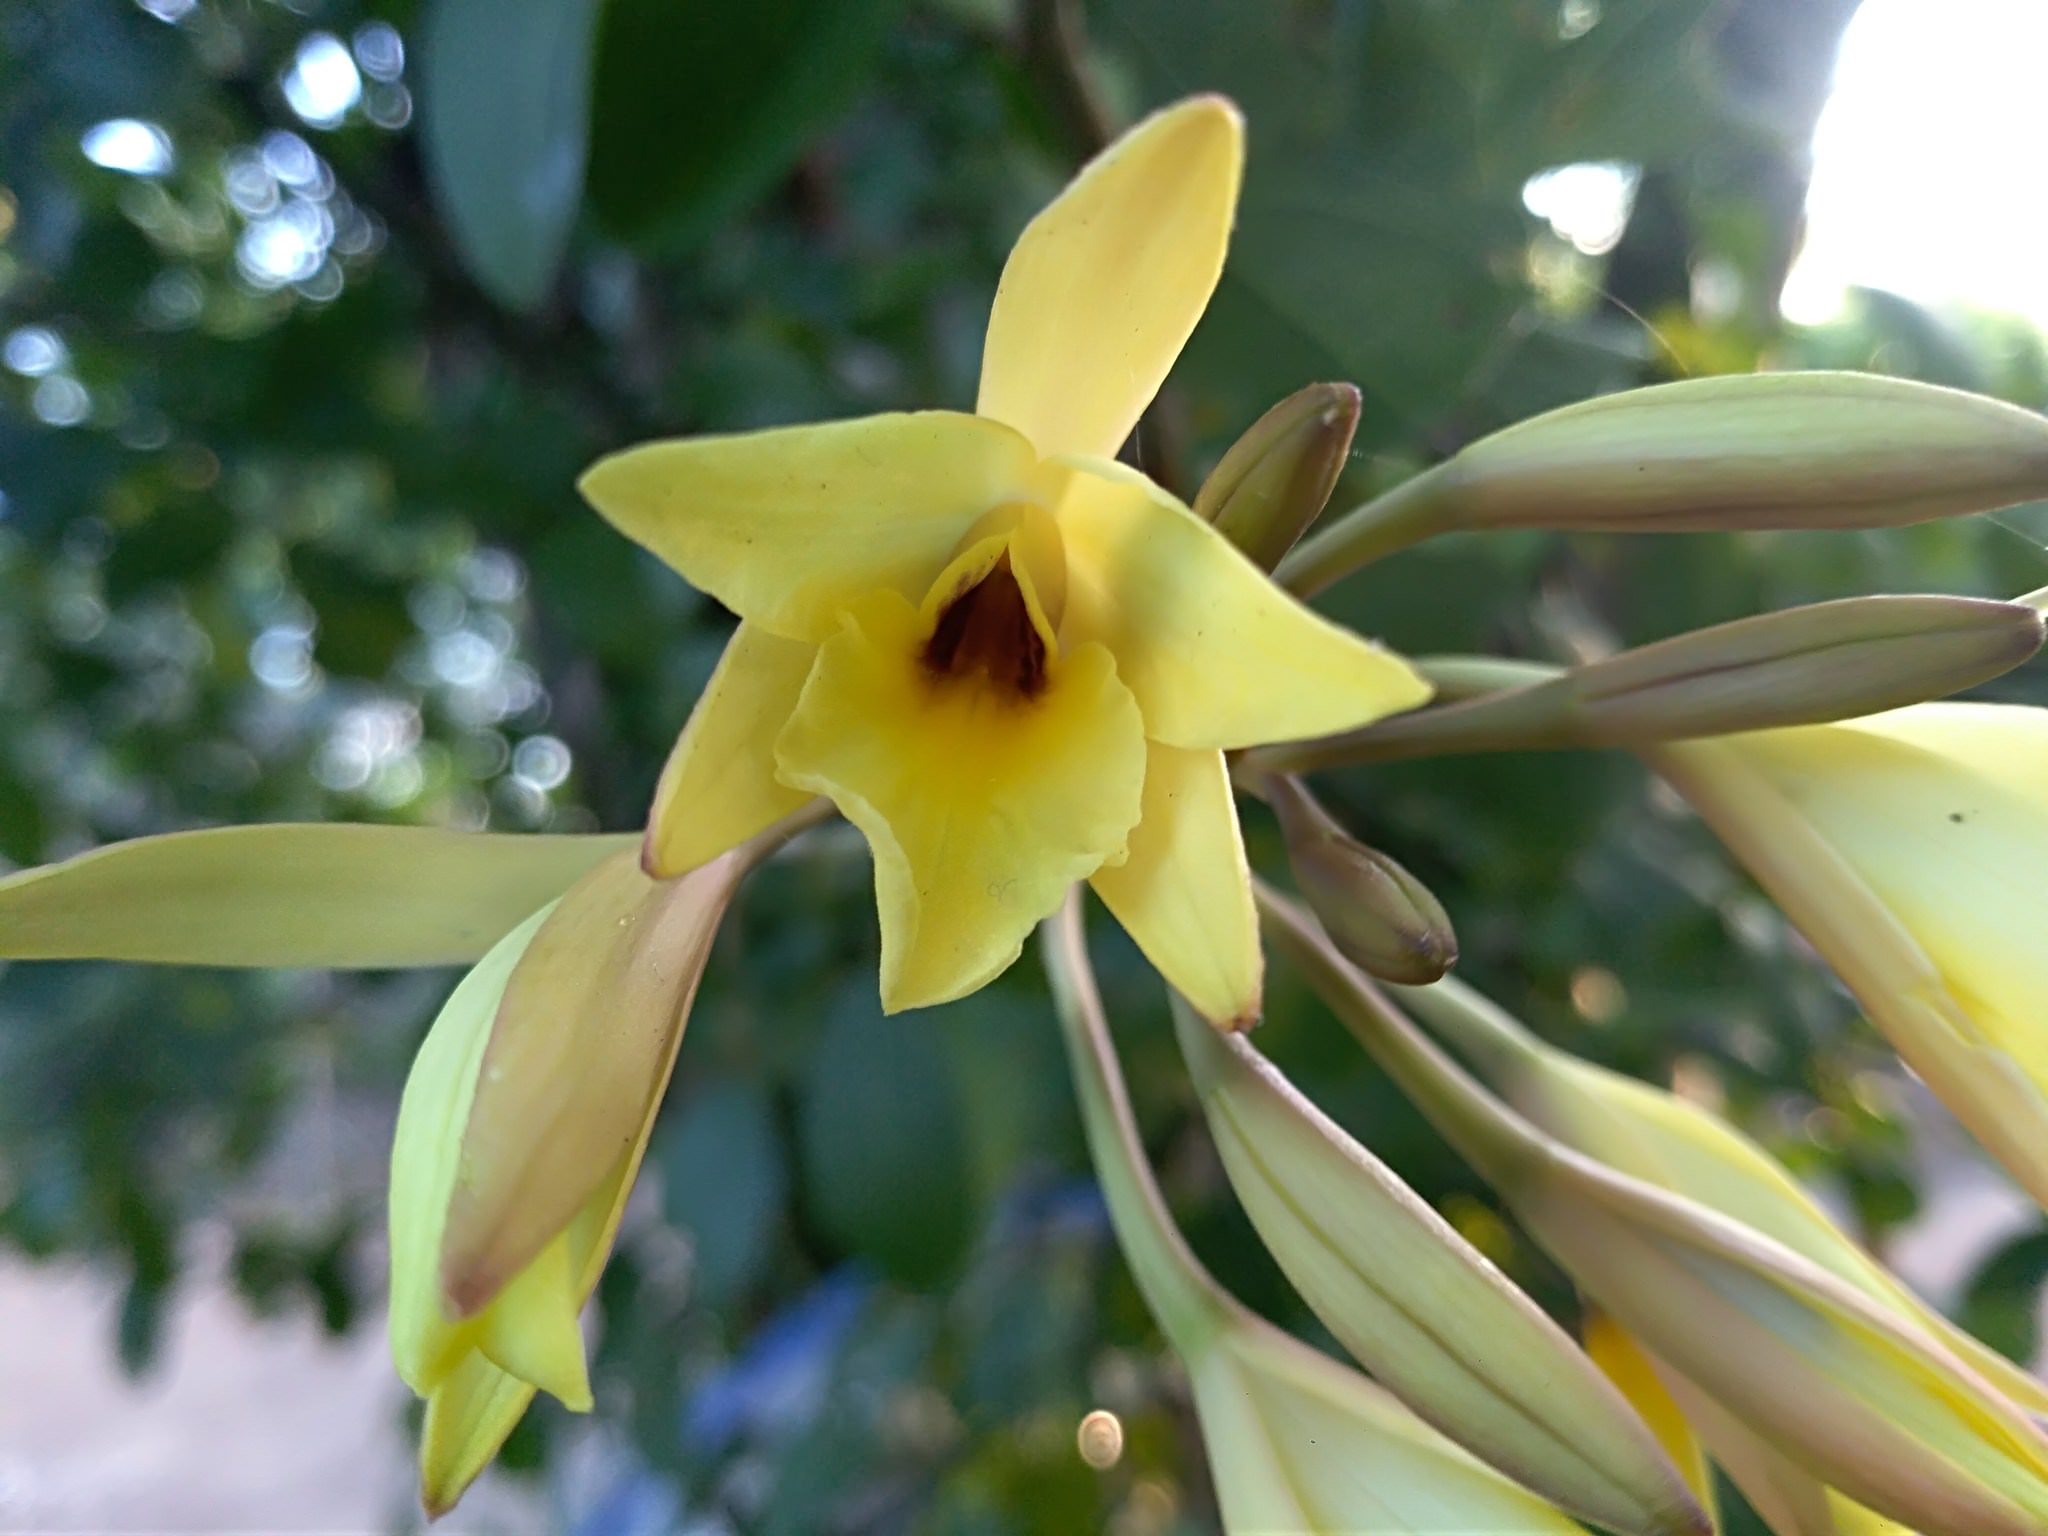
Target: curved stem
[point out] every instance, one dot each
(1483, 705)
(777, 835)
(1189, 1305)
(1499, 1144)
(1469, 677)
(1408, 514)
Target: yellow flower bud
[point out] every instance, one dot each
(1383, 919)
(1765, 450)
(1275, 480)
(1790, 1500)
(1761, 450)
(1907, 846)
(1303, 1445)
(1297, 1442)
(1654, 1135)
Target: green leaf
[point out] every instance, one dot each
(504, 101)
(725, 1182)
(700, 109)
(2003, 1302)
(885, 1152)
(292, 894)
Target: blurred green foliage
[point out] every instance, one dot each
(291, 413)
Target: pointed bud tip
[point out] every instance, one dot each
(1274, 481)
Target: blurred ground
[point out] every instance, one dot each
(244, 1425)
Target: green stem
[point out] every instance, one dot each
(1188, 1303)
(1483, 1033)
(1408, 514)
(1468, 677)
(1500, 1145)
(1484, 705)
(773, 838)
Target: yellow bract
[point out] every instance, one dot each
(1911, 847)
(523, 1124)
(994, 649)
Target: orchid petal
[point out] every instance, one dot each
(981, 809)
(1106, 284)
(1184, 894)
(1217, 655)
(786, 526)
(719, 786)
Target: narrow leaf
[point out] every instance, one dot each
(292, 894)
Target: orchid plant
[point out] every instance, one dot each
(1018, 666)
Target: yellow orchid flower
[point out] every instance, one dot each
(1011, 662)
(1911, 848)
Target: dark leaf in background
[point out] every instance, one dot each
(887, 1170)
(2003, 1304)
(504, 105)
(361, 628)
(22, 822)
(724, 1182)
(698, 109)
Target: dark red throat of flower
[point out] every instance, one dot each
(988, 629)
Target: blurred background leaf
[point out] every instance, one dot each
(507, 91)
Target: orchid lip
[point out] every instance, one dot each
(989, 629)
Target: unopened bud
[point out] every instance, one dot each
(1274, 481)
(1781, 450)
(1801, 666)
(577, 1056)
(1383, 920)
